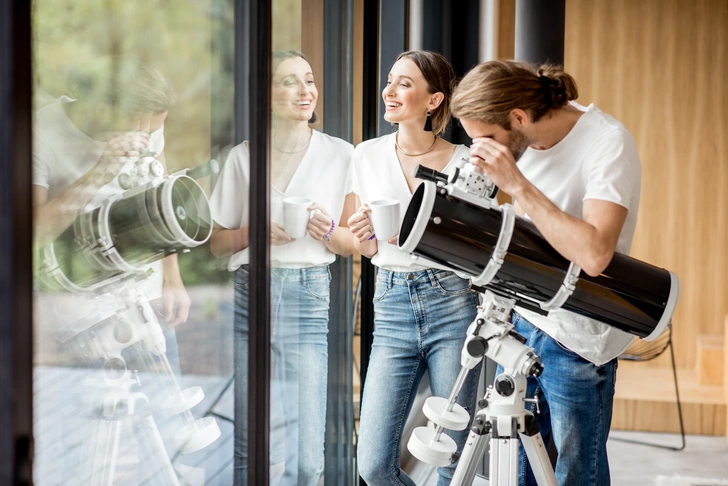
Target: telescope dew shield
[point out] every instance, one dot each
(630, 295)
(123, 235)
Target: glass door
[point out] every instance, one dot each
(148, 321)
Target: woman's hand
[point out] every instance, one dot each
(320, 223)
(278, 235)
(360, 225)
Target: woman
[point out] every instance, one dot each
(421, 310)
(305, 163)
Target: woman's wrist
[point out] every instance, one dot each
(327, 236)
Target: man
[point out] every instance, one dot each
(575, 173)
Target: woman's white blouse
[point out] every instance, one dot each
(324, 175)
(378, 175)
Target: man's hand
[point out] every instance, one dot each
(498, 163)
(174, 295)
(176, 302)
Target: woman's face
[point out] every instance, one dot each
(294, 93)
(406, 96)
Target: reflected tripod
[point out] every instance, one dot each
(135, 325)
(502, 419)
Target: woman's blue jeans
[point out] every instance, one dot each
(299, 361)
(575, 399)
(421, 319)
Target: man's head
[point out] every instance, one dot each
(121, 94)
(503, 98)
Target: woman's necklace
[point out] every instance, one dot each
(396, 143)
(275, 146)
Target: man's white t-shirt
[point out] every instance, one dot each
(596, 160)
(62, 154)
(324, 176)
(378, 175)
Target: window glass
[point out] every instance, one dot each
(142, 269)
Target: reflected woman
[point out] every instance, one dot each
(309, 170)
(421, 310)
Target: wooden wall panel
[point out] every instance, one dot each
(660, 67)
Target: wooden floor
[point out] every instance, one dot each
(65, 438)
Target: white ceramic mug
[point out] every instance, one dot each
(384, 217)
(296, 216)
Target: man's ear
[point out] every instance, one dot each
(435, 100)
(519, 118)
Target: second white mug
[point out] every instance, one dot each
(384, 216)
(296, 216)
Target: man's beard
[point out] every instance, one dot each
(518, 143)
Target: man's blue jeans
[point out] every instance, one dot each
(575, 399)
(299, 361)
(421, 319)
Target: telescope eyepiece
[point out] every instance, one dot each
(427, 174)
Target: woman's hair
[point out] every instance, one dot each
(440, 77)
(490, 91)
(278, 57)
(127, 85)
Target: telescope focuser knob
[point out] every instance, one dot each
(535, 370)
(482, 403)
(505, 386)
(477, 347)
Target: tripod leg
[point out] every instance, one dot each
(150, 439)
(537, 455)
(472, 452)
(504, 455)
(105, 449)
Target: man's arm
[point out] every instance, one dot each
(589, 243)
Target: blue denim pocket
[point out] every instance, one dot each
(450, 284)
(241, 279)
(319, 285)
(381, 289)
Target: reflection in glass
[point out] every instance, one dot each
(130, 362)
(311, 198)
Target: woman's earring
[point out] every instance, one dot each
(428, 123)
(313, 118)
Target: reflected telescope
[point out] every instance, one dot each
(453, 221)
(161, 216)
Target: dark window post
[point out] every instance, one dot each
(540, 31)
(16, 243)
(253, 49)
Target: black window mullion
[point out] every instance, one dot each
(258, 18)
(16, 243)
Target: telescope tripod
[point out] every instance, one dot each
(122, 408)
(502, 419)
(135, 327)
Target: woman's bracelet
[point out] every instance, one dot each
(327, 236)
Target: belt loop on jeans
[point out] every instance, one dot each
(431, 276)
(390, 279)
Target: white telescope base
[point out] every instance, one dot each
(197, 435)
(423, 446)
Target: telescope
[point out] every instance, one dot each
(454, 221)
(153, 218)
